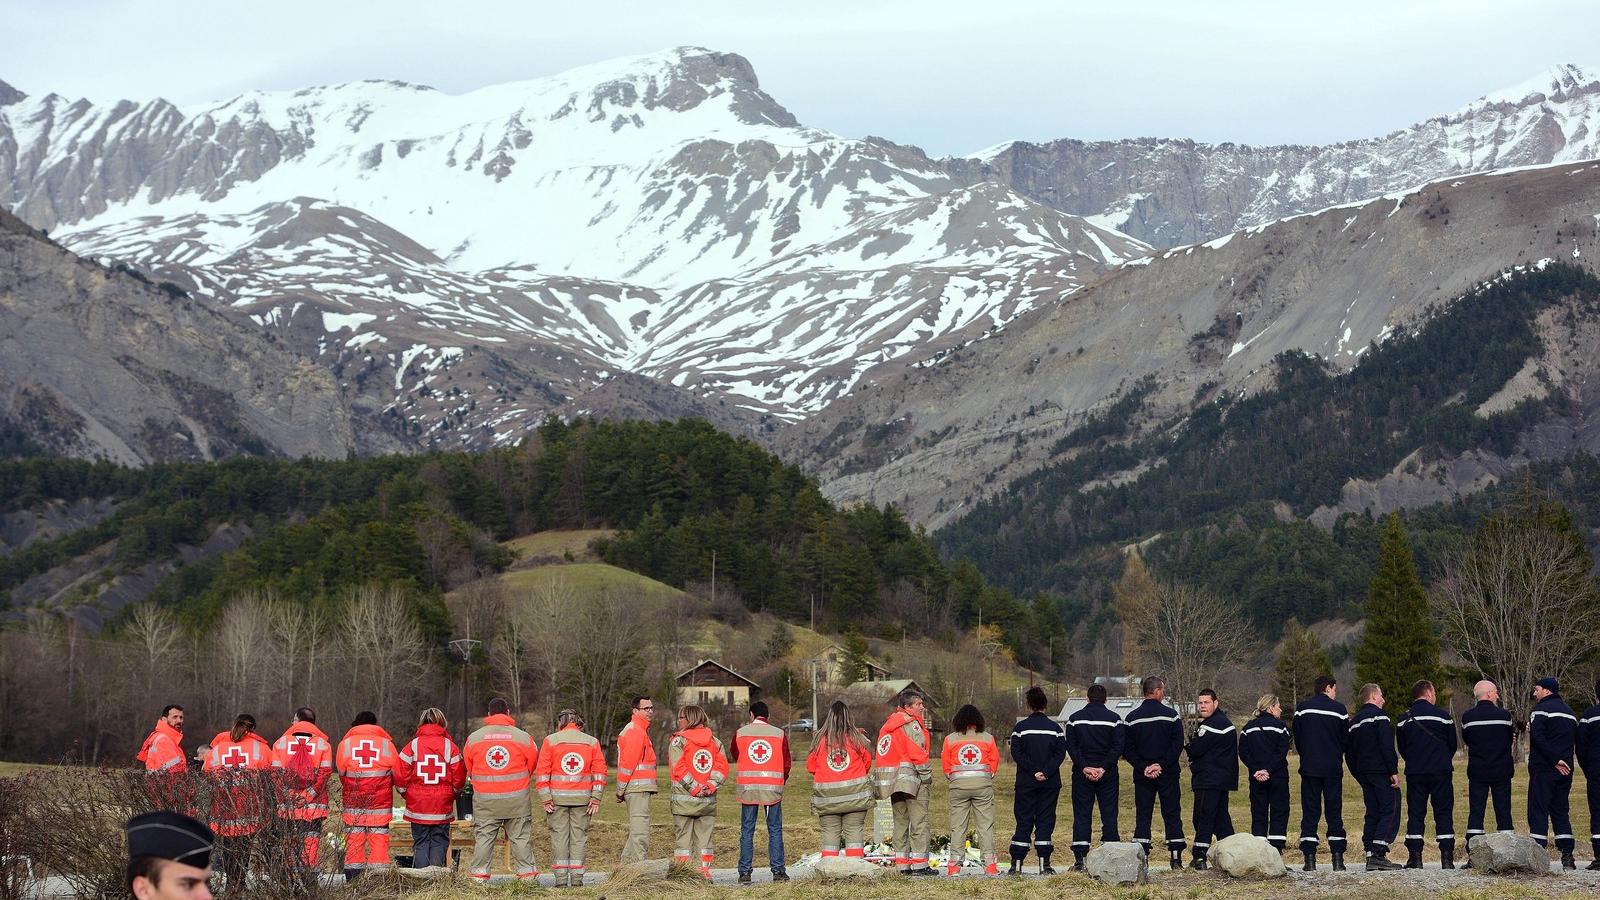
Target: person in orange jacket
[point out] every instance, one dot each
(571, 779)
(840, 764)
(636, 777)
(904, 774)
(970, 760)
(161, 754)
(430, 775)
(500, 761)
(234, 763)
(699, 767)
(304, 759)
(366, 763)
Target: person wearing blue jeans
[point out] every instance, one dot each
(761, 752)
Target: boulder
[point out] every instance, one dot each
(1119, 862)
(830, 868)
(1247, 856)
(1505, 852)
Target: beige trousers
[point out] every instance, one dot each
(845, 832)
(693, 838)
(974, 804)
(637, 846)
(519, 833)
(911, 829)
(569, 839)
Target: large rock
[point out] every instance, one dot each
(1505, 852)
(1248, 856)
(1119, 862)
(830, 868)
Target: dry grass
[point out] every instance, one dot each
(586, 577)
(554, 545)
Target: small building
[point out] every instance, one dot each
(870, 700)
(711, 682)
(831, 662)
(1119, 705)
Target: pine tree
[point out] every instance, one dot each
(1300, 661)
(1399, 646)
(853, 667)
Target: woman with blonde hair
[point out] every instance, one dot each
(699, 767)
(1264, 750)
(429, 774)
(840, 764)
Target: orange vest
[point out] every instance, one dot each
(572, 768)
(970, 759)
(366, 760)
(636, 758)
(163, 749)
(236, 802)
(763, 753)
(306, 759)
(902, 763)
(500, 759)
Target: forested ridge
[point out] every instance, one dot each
(1214, 478)
(682, 495)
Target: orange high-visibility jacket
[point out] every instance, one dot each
(305, 757)
(762, 751)
(236, 802)
(636, 758)
(699, 767)
(902, 764)
(163, 749)
(500, 759)
(572, 768)
(366, 761)
(970, 759)
(840, 778)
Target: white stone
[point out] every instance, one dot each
(1504, 852)
(1248, 856)
(1120, 862)
(834, 867)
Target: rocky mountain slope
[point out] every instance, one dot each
(101, 363)
(1170, 192)
(1172, 331)
(515, 248)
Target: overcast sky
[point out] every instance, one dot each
(951, 77)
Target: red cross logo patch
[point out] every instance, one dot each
(366, 753)
(497, 758)
(300, 744)
(572, 763)
(431, 769)
(760, 751)
(702, 761)
(969, 755)
(234, 757)
(838, 761)
(884, 743)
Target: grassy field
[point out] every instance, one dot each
(551, 545)
(586, 577)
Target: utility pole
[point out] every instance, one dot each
(713, 579)
(813, 662)
(463, 648)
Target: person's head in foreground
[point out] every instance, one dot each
(169, 857)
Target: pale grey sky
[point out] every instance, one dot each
(950, 77)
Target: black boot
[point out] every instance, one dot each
(1044, 866)
(1594, 865)
(1447, 859)
(1567, 862)
(1016, 867)
(1414, 859)
(1311, 861)
(1198, 861)
(1177, 859)
(1078, 866)
(1378, 862)
(1338, 860)
(780, 875)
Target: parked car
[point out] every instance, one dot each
(802, 725)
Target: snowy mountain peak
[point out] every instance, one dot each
(9, 94)
(1559, 82)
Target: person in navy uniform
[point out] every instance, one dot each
(1320, 726)
(1213, 774)
(1264, 750)
(1038, 746)
(1552, 736)
(1095, 736)
(1152, 745)
(1427, 738)
(1588, 748)
(1370, 752)
(1487, 731)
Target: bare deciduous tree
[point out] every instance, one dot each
(1186, 635)
(243, 644)
(299, 632)
(383, 644)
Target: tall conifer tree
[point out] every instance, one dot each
(1399, 646)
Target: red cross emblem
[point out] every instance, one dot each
(366, 753)
(431, 769)
(235, 758)
(300, 743)
(497, 757)
(884, 743)
(572, 763)
(969, 755)
(760, 751)
(838, 760)
(702, 761)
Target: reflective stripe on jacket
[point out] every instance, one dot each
(636, 758)
(162, 749)
(500, 759)
(234, 767)
(429, 774)
(762, 753)
(366, 762)
(902, 764)
(841, 778)
(699, 767)
(306, 760)
(571, 769)
(970, 759)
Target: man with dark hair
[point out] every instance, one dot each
(169, 857)
(1039, 746)
(162, 750)
(1154, 741)
(1094, 739)
(636, 777)
(1551, 739)
(365, 761)
(1427, 738)
(1370, 750)
(1319, 736)
(501, 759)
(761, 751)
(1588, 751)
(1214, 773)
(304, 758)
(904, 774)
(1487, 731)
